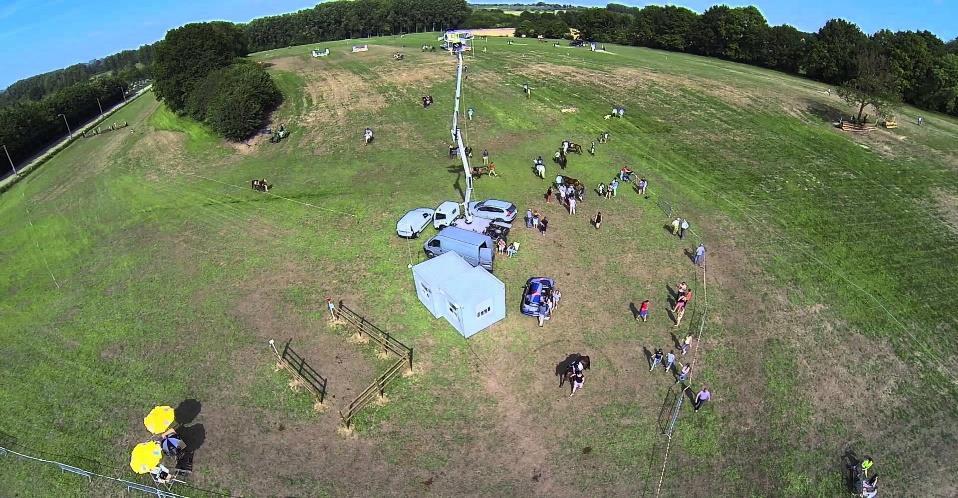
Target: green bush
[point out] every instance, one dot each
(238, 99)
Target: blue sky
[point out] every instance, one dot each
(41, 35)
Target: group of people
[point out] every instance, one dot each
(172, 446)
(617, 112)
(609, 191)
(533, 220)
(568, 194)
(550, 301)
(426, 101)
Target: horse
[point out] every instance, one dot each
(260, 185)
(574, 147)
(566, 369)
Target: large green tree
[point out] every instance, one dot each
(834, 51)
(875, 83)
(189, 53)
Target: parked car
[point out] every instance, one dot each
(494, 209)
(477, 249)
(533, 293)
(414, 222)
(446, 214)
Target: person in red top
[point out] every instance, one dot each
(643, 311)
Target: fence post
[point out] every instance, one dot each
(379, 383)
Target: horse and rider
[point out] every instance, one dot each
(260, 185)
(570, 146)
(574, 371)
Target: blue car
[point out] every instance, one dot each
(532, 295)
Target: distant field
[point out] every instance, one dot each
(139, 268)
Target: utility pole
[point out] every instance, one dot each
(69, 131)
(99, 105)
(14, 168)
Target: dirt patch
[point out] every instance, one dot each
(161, 144)
(947, 204)
(418, 69)
(493, 32)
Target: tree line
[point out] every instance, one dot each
(915, 67)
(28, 126)
(354, 19)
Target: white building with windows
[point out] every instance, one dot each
(469, 298)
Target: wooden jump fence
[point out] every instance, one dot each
(388, 344)
(296, 365)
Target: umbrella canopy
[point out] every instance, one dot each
(159, 419)
(145, 457)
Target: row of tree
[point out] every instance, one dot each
(29, 125)
(199, 72)
(354, 19)
(916, 67)
(128, 65)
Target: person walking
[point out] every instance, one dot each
(675, 226)
(597, 221)
(615, 187)
(549, 195)
(528, 218)
(571, 205)
(543, 312)
(669, 361)
(683, 228)
(703, 396)
(543, 225)
(470, 112)
(485, 157)
(686, 344)
(643, 311)
(643, 184)
(679, 313)
(699, 255)
(578, 379)
(656, 358)
(684, 373)
(331, 307)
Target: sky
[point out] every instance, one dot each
(37, 36)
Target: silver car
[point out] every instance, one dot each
(414, 222)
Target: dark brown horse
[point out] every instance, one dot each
(566, 368)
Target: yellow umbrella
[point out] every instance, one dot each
(159, 419)
(145, 457)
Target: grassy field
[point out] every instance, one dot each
(140, 269)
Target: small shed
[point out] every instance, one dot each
(469, 298)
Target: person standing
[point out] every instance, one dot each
(470, 112)
(656, 358)
(684, 226)
(614, 186)
(598, 220)
(543, 225)
(549, 195)
(643, 311)
(703, 396)
(643, 184)
(485, 157)
(669, 361)
(867, 463)
(699, 255)
(571, 205)
(686, 344)
(675, 226)
(528, 218)
(535, 219)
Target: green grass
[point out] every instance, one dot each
(140, 269)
